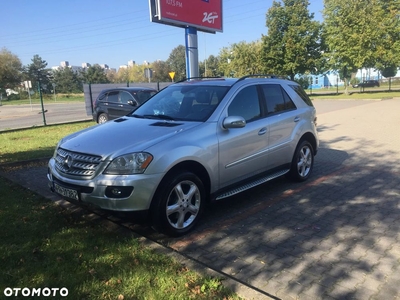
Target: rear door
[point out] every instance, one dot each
(283, 118)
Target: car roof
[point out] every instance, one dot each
(129, 89)
(230, 81)
(209, 81)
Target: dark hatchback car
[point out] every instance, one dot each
(117, 102)
(367, 83)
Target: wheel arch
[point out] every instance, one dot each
(191, 166)
(159, 222)
(101, 113)
(308, 136)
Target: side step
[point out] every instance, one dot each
(251, 184)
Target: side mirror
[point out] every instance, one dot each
(133, 103)
(234, 122)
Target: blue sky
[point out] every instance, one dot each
(114, 32)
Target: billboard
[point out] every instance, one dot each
(205, 15)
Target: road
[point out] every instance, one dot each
(25, 116)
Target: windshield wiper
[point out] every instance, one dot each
(136, 116)
(158, 117)
(161, 117)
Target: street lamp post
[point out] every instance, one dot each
(41, 101)
(337, 84)
(54, 92)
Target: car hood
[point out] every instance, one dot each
(123, 135)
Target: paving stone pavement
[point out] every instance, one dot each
(337, 236)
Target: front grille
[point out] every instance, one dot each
(77, 164)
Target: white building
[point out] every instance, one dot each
(366, 74)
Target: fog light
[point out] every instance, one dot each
(118, 191)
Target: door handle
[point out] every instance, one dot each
(296, 119)
(262, 131)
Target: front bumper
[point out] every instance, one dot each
(94, 191)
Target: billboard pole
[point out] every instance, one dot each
(192, 52)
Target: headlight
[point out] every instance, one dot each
(56, 148)
(134, 163)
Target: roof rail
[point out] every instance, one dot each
(262, 75)
(192, 78)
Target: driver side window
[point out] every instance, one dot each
(246, 104)
(125, 97)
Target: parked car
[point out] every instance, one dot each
(193, 142)
(117, 102)
(367, 83)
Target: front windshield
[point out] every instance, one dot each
(182, 102)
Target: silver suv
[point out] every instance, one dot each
(195, 141)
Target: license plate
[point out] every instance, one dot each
(66, 192)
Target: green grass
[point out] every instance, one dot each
(354, 94)
(43, 245)
(48, 98)
(35, 143)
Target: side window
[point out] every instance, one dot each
(125, 97)
(246, 104)
(289, 104)
(113, 96)
(302, 94)
(103, 97)
(277, 99)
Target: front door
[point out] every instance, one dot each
(243, 151)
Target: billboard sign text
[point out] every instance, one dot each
(205, 15)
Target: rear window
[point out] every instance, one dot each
(303, 95)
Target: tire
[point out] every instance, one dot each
(102, 118)
(178, 204)
(303, 162)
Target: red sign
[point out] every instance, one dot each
(202, 14)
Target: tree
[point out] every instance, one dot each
(123, 75)
(136, 73)
(361, 34)
(160, 71)
(210, 67)
(94, 74)
(389, 72)
(241, 59)
(177, 62)
(112, 76)
(388, 39)
(67, 81)
(10, 70)
(293, 44)
(37, 72)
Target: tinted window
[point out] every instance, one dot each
(302, 94)
(113, 97)
(102, 96)
(289, 104)
(246, 104)
(125, 97)
(277, 99)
